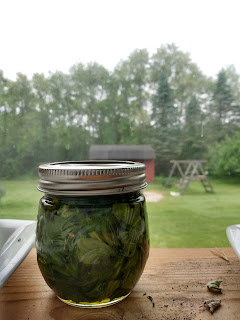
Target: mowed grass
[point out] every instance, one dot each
(196, 219)
(20, 200)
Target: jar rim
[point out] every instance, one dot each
(91, 177)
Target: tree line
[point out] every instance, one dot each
(163, 100)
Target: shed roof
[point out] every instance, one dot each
(121, 152)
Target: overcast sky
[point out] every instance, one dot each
(50, 35)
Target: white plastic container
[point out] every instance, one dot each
(17, 237)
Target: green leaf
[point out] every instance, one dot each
(93, 251)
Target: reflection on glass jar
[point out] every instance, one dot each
(92, 249)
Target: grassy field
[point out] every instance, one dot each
(21, 199)
(196, 219)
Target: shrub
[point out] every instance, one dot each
(225, 157)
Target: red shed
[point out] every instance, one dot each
(139, 153)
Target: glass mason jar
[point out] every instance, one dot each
(92, 233)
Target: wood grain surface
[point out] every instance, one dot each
(175, 278)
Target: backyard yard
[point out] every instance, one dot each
(195, 219)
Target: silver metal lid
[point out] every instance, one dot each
(100, 177)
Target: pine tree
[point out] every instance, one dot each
(165, 128)
(222, 108)
(222, 98)
(193, 146)
(163, 111)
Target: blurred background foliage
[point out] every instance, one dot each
(163, 100)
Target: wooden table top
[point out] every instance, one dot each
(175, 278)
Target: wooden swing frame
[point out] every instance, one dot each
(190, 170)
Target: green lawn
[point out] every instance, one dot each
(21, 199)
(196, 219)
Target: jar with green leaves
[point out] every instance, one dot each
(92, 232)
